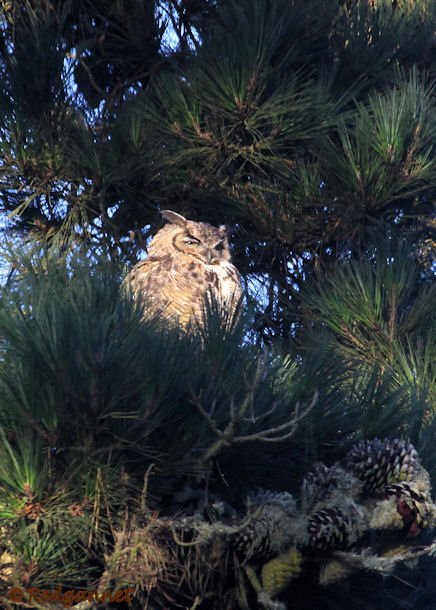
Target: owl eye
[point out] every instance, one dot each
(219, 247)
(191, 241)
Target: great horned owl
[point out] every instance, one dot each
(188, 266)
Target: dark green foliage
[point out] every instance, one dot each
(310, 128)
(104, 415)
(93, 380)
(377, 316)
(302, 123)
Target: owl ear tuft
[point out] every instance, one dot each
(226, 230)
(174, 218)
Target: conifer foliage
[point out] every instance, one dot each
(283, 461)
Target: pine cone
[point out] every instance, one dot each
(414, 505)
(335, 528)
(327, 486)
(381, 462)
(317, 485)
(280, 571)
(269, 525)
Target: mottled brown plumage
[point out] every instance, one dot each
(188, 265)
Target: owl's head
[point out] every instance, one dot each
(197, 239)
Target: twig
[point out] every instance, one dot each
(383, 564)
(144, 491)
(228, 437)
(177, 540)
(197, 602)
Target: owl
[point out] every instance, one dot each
(188, 270)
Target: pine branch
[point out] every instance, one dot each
(228, 436)
(384, 565)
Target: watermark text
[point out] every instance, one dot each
(68, 597)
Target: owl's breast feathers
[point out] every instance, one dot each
(177, 288)
(225, 278)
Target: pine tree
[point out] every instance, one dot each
(223, 471)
